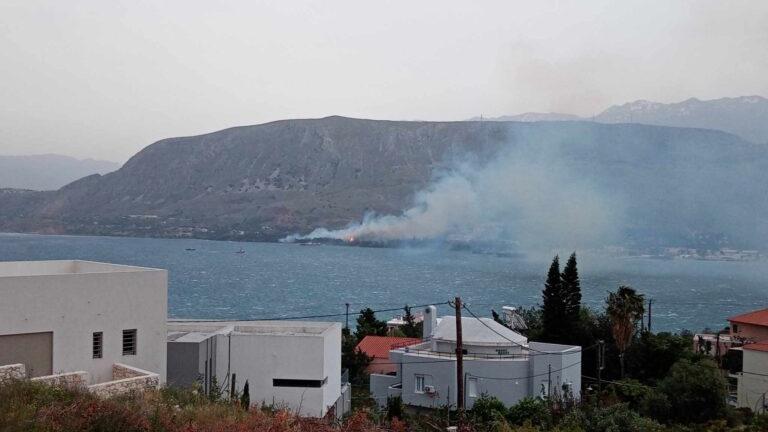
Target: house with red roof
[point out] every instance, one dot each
(751, 330)
(378, 347)
(751, 326)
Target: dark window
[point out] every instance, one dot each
(98, 344)
(277, 382)
(735, 328)
(129, 342)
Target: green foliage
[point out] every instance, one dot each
(352, 359)
(410, 328)
(624, 308)
(615, 418)
(696, 391)
(631, 392)
(367, 324)
(395, 407)
(245, 398)
(488, 409)
(553, 308)
(651, 356)
(571, 289)
(532, 410)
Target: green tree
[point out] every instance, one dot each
(696, 391)
(533, 410)
(624, 309)
(245, 398)
(367, 324)
(553, 310)
(352, 359)
(411, 328)
(652, 355)
(571, 289)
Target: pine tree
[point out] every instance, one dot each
(571, 289)
(553, 309)
(367, 324)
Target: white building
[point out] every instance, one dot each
(291, 364)
(497, 361)
(751, 377)
(68, 316)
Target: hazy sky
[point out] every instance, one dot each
(104, 79)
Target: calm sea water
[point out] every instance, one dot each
(274, 280)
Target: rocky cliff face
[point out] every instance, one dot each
(262, 182)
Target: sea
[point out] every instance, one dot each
(240, 280)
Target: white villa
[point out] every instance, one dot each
(497, 361)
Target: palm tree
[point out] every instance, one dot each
(625, 308)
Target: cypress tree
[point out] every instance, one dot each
(245, 398)
(367, 324)
(571, 288)
(553, 309)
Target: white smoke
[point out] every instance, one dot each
(521, 197)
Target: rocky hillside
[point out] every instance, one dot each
(262, 182)
(48, 172)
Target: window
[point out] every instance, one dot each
(278, 382)
(502, 351)
(98, 344)
(735, 328)
(420, 383)
(472, 387)
(129, 342)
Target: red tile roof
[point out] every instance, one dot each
(758, 346)
(758, 317)
(379, 346)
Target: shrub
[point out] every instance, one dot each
(532, 410)
(696, 391)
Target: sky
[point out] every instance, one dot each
(96, 79)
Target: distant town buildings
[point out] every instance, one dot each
(497, 361)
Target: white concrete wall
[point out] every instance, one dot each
(74, 305)
(565, 363)
(751, 387)
(260, 358)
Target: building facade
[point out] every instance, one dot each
(66, 316)
(497, 362)
(296, 365)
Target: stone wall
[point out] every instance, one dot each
(126, 379)
(121, 371)
(71, 380)
(14, 371)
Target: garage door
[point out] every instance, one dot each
(33, 350)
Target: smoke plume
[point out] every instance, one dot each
(527, 198)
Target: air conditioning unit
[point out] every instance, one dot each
(429, 389)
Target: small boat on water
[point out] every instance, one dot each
(241, 251)
(191, 249)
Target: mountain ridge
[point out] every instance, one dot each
(262, 182)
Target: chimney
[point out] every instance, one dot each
(430, 321)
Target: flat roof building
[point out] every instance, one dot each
(286, 363)
(72, 315)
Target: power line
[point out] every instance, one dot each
(289, 318)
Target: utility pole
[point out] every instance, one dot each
(650, 308)
(459, 361)
(347, 326)
(549, 383)
(600, 364)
